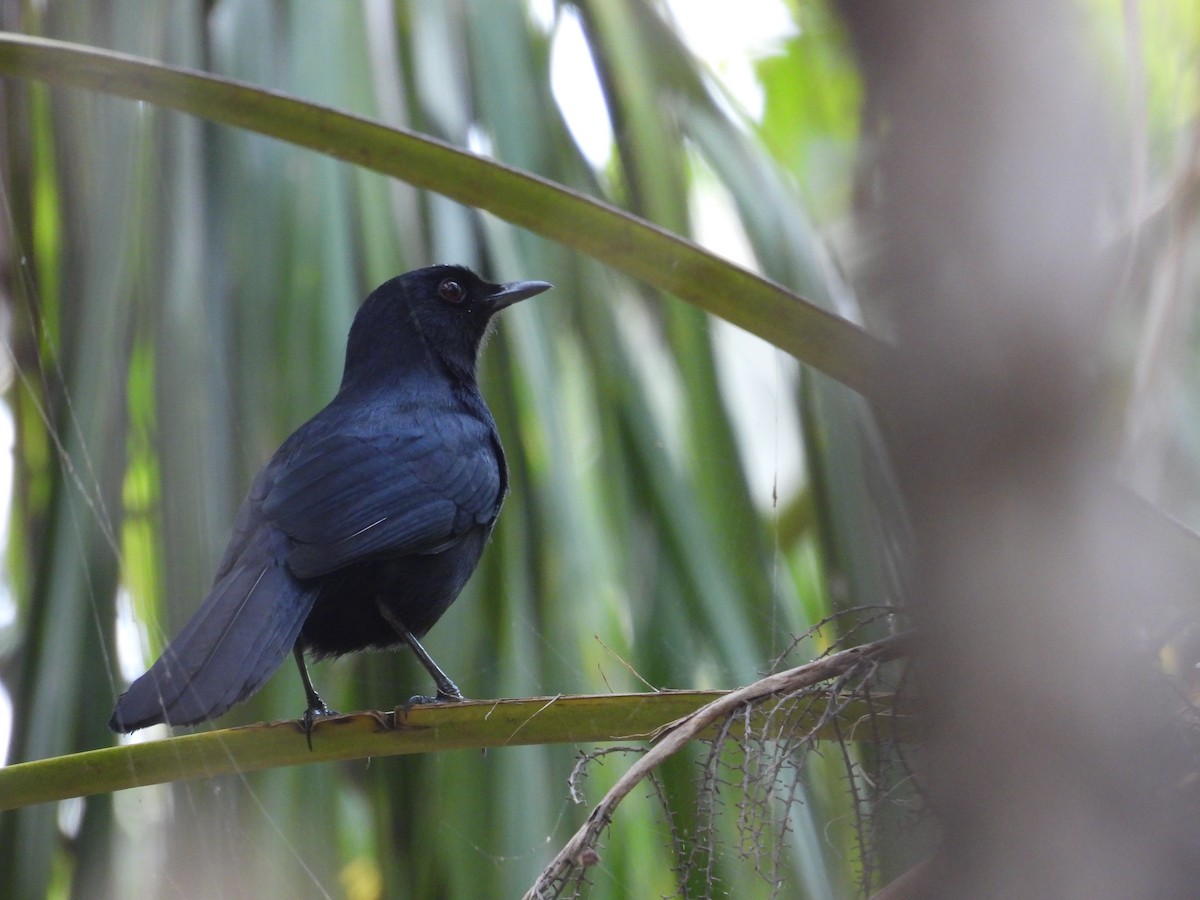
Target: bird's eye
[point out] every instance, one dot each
(451, 291)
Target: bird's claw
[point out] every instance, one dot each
(308, 721)
(442, 697)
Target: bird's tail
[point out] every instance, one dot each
(234, 642)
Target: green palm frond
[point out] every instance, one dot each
(192, 250)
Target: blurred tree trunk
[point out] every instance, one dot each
(1051, 758)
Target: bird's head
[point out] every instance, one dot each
(437, 315)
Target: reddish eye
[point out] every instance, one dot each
(451, 291)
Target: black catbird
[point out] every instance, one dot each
(365, 525)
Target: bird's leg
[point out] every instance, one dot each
(316, 706)
(447, 690)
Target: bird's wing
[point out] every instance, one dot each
(344, 498)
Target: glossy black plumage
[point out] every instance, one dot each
(366, 523)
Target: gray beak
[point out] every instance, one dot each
(514, 291)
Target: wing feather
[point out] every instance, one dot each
(344, 498)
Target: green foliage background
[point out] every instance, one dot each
(179, 298)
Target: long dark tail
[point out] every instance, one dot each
(237, 639)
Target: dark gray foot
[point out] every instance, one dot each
(447, 690)
(308, 721)
(454, 695)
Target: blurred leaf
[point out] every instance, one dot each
(630, 547)
(636, 247)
